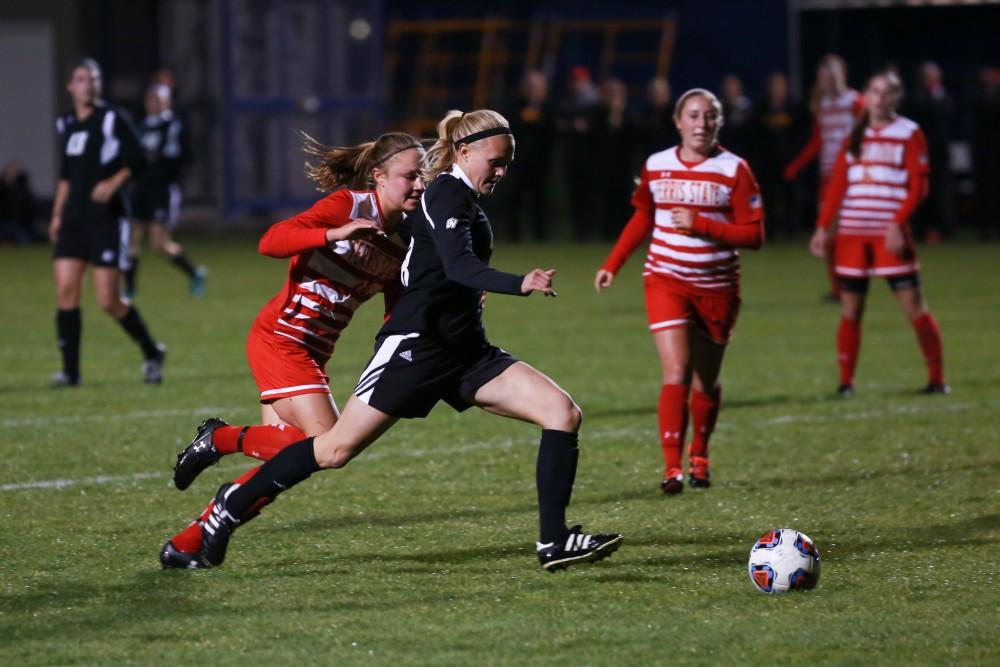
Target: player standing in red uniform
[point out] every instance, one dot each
(878, 180)
(343, 250)
(835, 107)
(701, 203)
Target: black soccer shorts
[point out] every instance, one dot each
(103, 242)
(408, 374)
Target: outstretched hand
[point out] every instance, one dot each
(603, 279)
(539, 280)
(355, 229)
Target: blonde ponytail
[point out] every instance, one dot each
(451, 130)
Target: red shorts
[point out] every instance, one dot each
(865, 256)
(282, 368)
(670, 306)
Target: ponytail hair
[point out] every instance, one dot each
(857, 134)
(334, 168)
(451, 130)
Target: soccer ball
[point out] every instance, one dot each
(784, 560)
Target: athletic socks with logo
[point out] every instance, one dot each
(555, 472)
(292, 465)
(261, 442)
(672, 411)
(704, 414)
(189, 539)
(69, 325)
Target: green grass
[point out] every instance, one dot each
(420, 552)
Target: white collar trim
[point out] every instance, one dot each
(458, 173)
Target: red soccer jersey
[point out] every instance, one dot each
(328, 281)
(883, 185)
(729, 214)
(834, 119)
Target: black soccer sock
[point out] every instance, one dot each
(130, 272)
(69, 326)
(292, 465)
(555, 472)
(133, 325)
(184, 264)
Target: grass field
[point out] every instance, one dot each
(421, 552)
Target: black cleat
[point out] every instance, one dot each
(197, 456)
(936, 388)
(673, 482)
(218, 528)
(698, 475)
(578, 547)
(845, 390)
(152, 368)
(171, 558)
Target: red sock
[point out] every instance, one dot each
(848, 346)
(704, 414)
(257, 442)
(264, 442)
(929, 337)
(673, 414)
(189, 539)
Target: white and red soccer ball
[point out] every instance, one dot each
(783, 560)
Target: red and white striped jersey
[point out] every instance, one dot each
(835, 118)
(833, 122)
(726, 199)
(328, 281)
(883, 185)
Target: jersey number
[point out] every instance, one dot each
(404, 270)
(77, 142)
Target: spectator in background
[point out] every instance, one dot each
(18, 208)
(773, 130)
(577, 116)
(616, 138)
(933, 110)
(656, 129)
(532, 122)
(738, 132)
(986, 152)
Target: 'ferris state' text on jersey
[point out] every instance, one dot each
(447, 265)
(881, 187)
(93, 150)
(729, 214)
(328, 281)
(163, 142)
(833, 122)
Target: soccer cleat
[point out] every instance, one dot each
(578, 547)
(845, 390)
(61, 379)
(197, 283)
(197, 456)
(218, 528)
(673, 482)
(698, 477)
(173, 559)
(152, 369)
(936, 388)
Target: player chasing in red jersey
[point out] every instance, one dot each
(343, 250)
(835, 107)
(700, 203)
(878, 181)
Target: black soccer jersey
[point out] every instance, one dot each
(93, 150)
(447, 265)
(164, 147)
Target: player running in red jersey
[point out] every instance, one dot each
(700, 203)
(835, 107)
(343, 250)
(878, 180)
